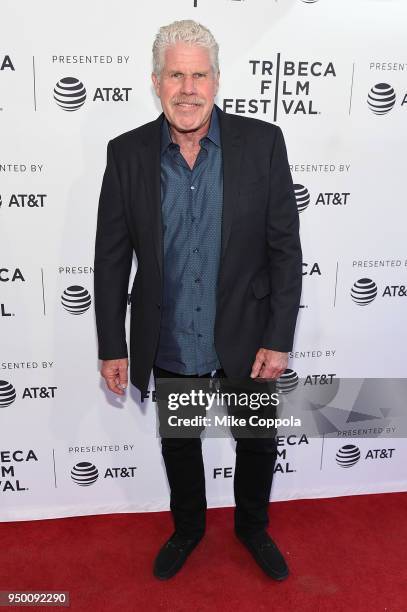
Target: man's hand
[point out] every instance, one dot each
(114, 371)
(269, 364)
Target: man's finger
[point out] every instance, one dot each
(267, 373)
(270, 371)
(257, 365)
(111, 381)
(123, 377)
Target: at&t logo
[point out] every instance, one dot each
(24, 200)
(287, 381)
(381, 99)
(365, 290)
(85, 473)
(76, 299)
(70, 94)
(348, 455)
(302, 197)
(7, 394)
(326, 198)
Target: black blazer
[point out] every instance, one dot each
(260, 273)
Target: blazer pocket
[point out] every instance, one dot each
(261, 285)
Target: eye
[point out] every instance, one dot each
(176, 75)
(199, 75)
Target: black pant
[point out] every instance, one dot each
(254, 469)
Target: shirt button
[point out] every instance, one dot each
(192, 187)
(197, 280)
(198, 308)
(199, 335)
(195, 250)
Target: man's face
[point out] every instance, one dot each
(187, 86)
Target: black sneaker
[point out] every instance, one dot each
(173, 555)
(267, 555)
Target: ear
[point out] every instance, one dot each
(156, 83)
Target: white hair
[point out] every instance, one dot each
(187, 31)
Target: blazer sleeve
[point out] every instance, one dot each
(284, 249)
(112, 265)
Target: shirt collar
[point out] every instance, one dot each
(213, 132)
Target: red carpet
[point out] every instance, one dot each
(346, 553)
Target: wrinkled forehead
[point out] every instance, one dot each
(186, 58)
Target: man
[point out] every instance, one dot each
(206, 201)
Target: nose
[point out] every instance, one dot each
(188, 85)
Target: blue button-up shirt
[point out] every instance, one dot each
(191, 203)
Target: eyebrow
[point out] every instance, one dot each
(172, 70)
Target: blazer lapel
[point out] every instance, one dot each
(151, 164)
(231, 154)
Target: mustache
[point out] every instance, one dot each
(192, 100)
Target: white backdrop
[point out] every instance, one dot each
(333, 75)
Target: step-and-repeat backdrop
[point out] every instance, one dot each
(333, 75)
